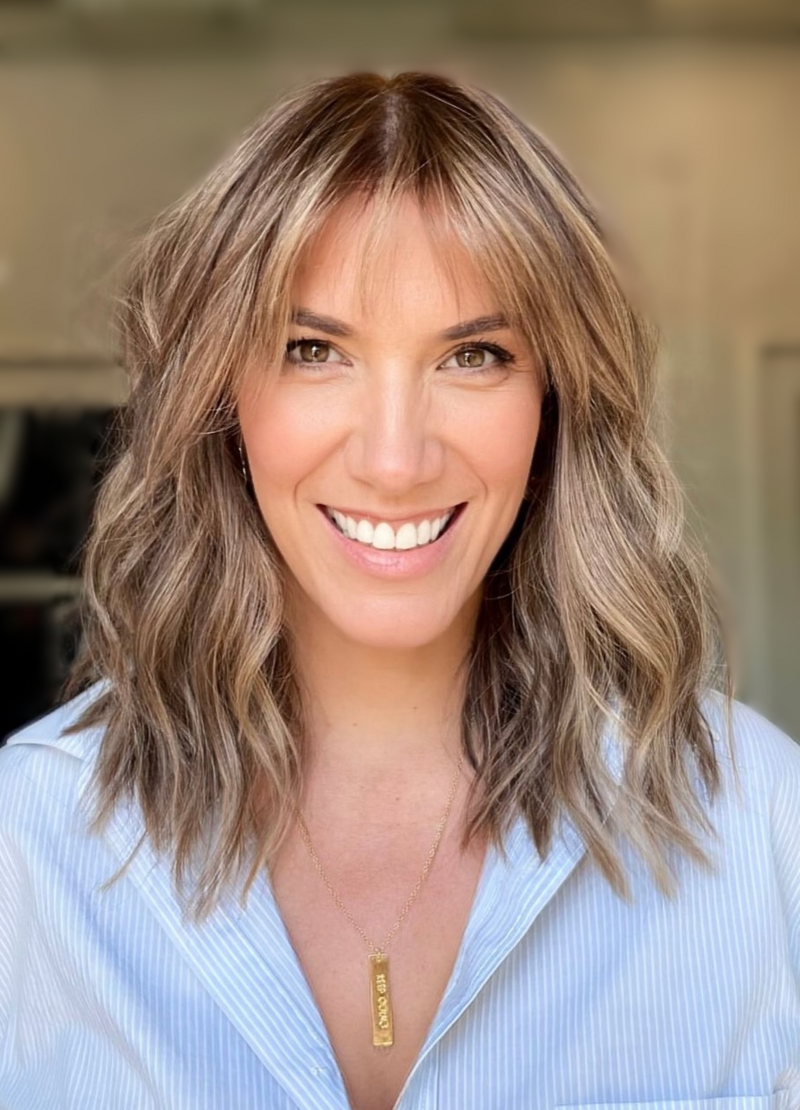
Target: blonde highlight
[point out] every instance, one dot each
(598, 605)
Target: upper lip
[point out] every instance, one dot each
(392, 518)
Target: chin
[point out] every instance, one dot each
(401, 628)
(392, 641)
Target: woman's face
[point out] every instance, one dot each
(408, 410)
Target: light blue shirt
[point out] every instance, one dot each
(562, 995)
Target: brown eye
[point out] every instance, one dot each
(471, 358)
(308, 352)
(312, 350)
(479, 358)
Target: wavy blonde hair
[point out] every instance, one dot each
(598, 605)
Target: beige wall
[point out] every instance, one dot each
(692, 148)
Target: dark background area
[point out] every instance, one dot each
(52, 461)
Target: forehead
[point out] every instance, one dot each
(369, 261)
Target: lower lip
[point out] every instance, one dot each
(396, 564)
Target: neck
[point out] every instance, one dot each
(372, 711)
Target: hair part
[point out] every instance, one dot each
(598, 606)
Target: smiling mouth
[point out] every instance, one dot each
(384, 537)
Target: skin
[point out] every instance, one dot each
(388, 422)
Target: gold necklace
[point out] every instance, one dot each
(379, 993)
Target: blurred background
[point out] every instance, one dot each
(680, 116)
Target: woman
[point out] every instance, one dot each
(396, 722)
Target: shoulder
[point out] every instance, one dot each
(48, 857)
(760, 778)
(44, 767)
(50, 868)
(765, 759)
(52, 729)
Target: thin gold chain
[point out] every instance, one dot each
(417, 887)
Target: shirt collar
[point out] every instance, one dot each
(245, 958)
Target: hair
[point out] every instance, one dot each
(598, 607)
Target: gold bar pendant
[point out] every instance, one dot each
(380, 999)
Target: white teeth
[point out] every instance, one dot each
(364, 532)
(383, 536)
(406, 537)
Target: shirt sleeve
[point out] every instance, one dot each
(785, 824)
(16, 910)
(32, 1010)
(17, 924)
(786, 841)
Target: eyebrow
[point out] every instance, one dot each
(307, 319)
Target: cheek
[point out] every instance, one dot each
(285, 440)
(499, 438)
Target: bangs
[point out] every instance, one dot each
(471, 243)
(496, 202)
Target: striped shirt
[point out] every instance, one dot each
(562, 994)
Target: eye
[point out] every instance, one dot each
(477, 357)
(312, 352)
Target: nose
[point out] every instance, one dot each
(396, 440)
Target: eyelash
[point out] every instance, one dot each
(503, 356)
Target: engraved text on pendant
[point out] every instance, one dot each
(380, 1000)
